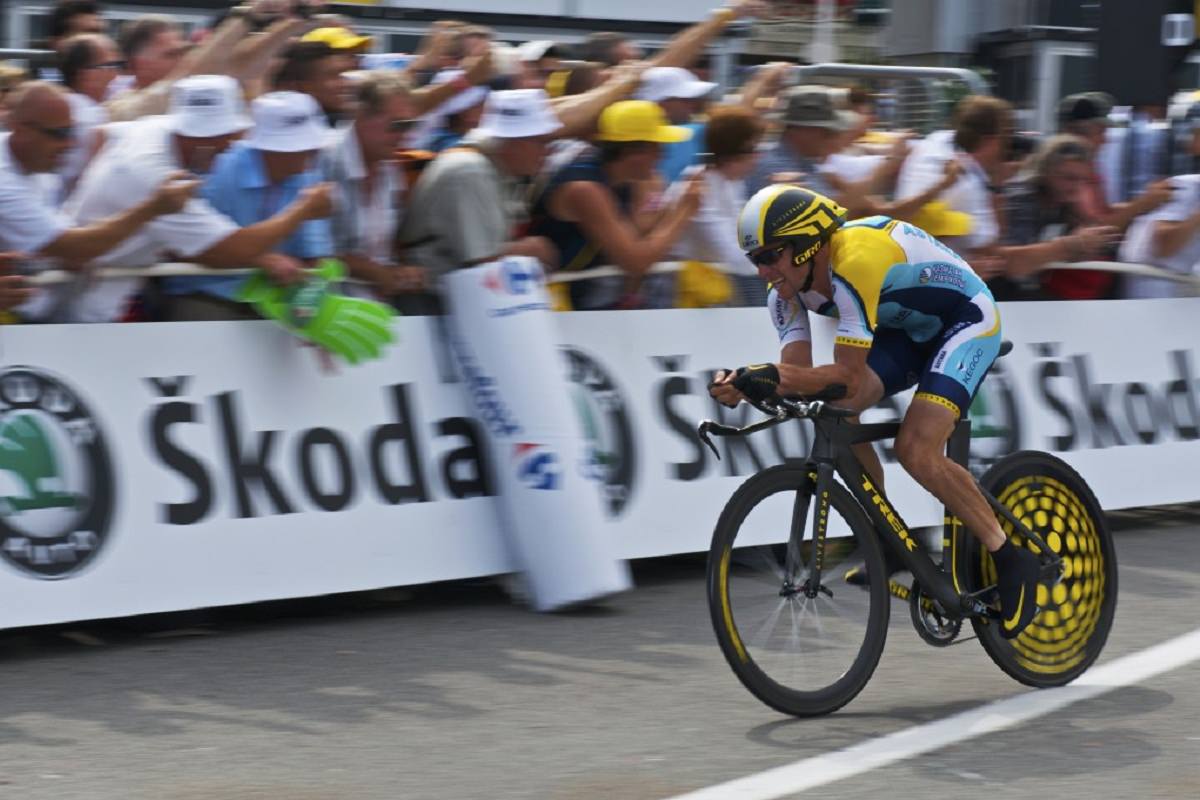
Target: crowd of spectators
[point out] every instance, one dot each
(275, 138)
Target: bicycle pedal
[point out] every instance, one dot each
(1051, 573)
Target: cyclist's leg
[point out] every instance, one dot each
(892, 366)
(964, 354)
(921, 449)
(950, 381)
(870, 393)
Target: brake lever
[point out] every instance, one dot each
(716, 427)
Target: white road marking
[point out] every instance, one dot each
(995, 716)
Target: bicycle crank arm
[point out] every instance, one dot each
(901, 592)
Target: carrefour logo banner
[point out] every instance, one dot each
(149, 468)
(503, 338)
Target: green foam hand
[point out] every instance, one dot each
(354, 329)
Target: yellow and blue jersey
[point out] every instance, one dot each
(914, 302)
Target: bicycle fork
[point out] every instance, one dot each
(812, 584)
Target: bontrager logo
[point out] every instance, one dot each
(888, 514)
(56, 480)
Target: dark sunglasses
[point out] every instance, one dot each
(402, 125)
(764, 258)
(63, 134)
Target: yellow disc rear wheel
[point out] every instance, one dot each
(1070, 630)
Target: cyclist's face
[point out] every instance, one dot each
(775, 266)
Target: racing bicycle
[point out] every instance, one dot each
(805, 642)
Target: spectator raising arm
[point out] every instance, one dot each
(252, 55)
(686, 47)
(13, 288)
(1170, 237)
(592, 207)
(579, 113)
(247, 244)
(79, 245)
(476, 70)
(1120, 215)
(1085, 244)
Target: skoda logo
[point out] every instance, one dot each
(609, 438)
(56, 482)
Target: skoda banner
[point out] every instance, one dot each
(502, 336)
(150, 468)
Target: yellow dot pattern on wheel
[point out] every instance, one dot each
(1057, 639)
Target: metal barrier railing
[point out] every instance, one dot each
(181, 269)
(918, 97)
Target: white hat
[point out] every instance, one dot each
(517, 114)
(287, 122)
(467, 98)
(204, 106)
(536, 51)
(666, 83)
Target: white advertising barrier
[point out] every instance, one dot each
(503, 338)
(148, 468)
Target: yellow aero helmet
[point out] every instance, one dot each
(789, 213)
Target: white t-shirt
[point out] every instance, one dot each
(1137, 246)
(122, 175)
(29, 220)
(852, 167)
(711, 236)
(926, 165)
(87, 116)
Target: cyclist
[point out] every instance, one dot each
(910, 311)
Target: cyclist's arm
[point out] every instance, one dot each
(849, 368)
(796, 354)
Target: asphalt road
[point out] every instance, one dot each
(453, 692)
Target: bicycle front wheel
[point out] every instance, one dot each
(802, 648)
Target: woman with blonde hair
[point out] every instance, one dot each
(731, 137)
(1046, 221)
(11, 76)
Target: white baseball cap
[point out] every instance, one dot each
(666, 83)
(517, 114)
(204, 106)
(467, 98)
(537, 50)
(287, 122)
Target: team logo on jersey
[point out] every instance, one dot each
(56, 480)
(942, 273)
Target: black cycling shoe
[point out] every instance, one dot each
(857, 575)
(1017, 571)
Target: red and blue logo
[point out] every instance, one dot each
(537, 466)
(514, 276)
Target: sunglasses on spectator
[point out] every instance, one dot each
(402, 125)
(63, 134)
(765, 258)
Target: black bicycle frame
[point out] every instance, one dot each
(831, 453)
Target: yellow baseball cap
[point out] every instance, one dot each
(638, 121)
(337, 38)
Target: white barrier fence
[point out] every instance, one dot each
(157, 468)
